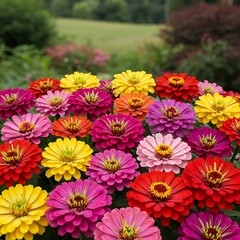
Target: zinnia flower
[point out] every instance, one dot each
(77, 80)
(22, 212)
(18, 161)
(53, 103)
(106, 86)
(133, 104)
(216, 108)
(117, 131)
(234, 95)
(207, 225)
(169, 116)
(207, 142)
(65, 158)
(215, 183)
(28, 126)
(75, 207)
(133, 82)
(163, 153)
(231, 127)
(76, 126)
(177, 86)
(90, 101)
(15, 101)
(207, 87)
(162, 195)
(42, 85)
(113, 169)
(127, 223)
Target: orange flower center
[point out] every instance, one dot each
(208, 141)
(134, 79)
(135, 102)
(46, 85)
(91, 97)
(160, 191)
(163, 151)
(111, 165)
(118, 128)
(71, 126)
(20, 208)
(128, 232)
(25, 127)
(9, 99)
(55, 101)
(236, 126)
(211, 232)
(170, 112)
(218, 105)
(78, 201)
(176, 82)
(13, 156)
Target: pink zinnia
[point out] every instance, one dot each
(117, 131)
(207, 87)
(53, 103)
(15, 101)
(113, 169)
(28, 126)
(91, 102)
(163, 153)
(127, 223)
(75, 207)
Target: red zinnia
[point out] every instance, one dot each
(162, 195)
(177, 86)
(76, 126)
(42, 85)
(18, 161)
(214, 182)
(231, 127)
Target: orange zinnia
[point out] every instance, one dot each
(72, 127)
(133, 104)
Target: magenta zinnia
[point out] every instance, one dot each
(15, 101)
(117, 131)
(163, 153)
(28, 126)
(127, 223)
(53, 103)
(90, 101)
(170, 116)
(75, 207)
(113, 169)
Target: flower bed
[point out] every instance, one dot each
(129, 158)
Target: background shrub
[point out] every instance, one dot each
(25, 22)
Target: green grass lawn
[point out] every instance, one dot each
(109, 36)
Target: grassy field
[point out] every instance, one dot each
(109, 36)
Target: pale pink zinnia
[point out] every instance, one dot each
(207, 87)
(28, 126)
(112, 169)
(127, 223)
(163, 153)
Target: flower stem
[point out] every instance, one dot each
(236, 151)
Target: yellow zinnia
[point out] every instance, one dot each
(22, 212)
(65, 158)
(133, 82)
(216, 108)
(75, 81)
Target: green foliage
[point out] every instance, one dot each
(85, 9)
(60, 8)
(25, 22)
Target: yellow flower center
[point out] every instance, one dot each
(91, 97)
(78, 201)
(111, 165)
(128, 232)
(79, 81)
(236, 126)
(118, 128)
(218, 105)
(25, 127)
(170, 112)
(9, 99)
(160, 191)
(134, 79)
(163, 151)
(13, 156)
(208, 141)
(135, 102)
(68, 156)
(176, 82)
(46, 85)
(20, 208)
(55, 101)
(208, 89)
(71, 126)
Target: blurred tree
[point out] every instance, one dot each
(85, 9)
